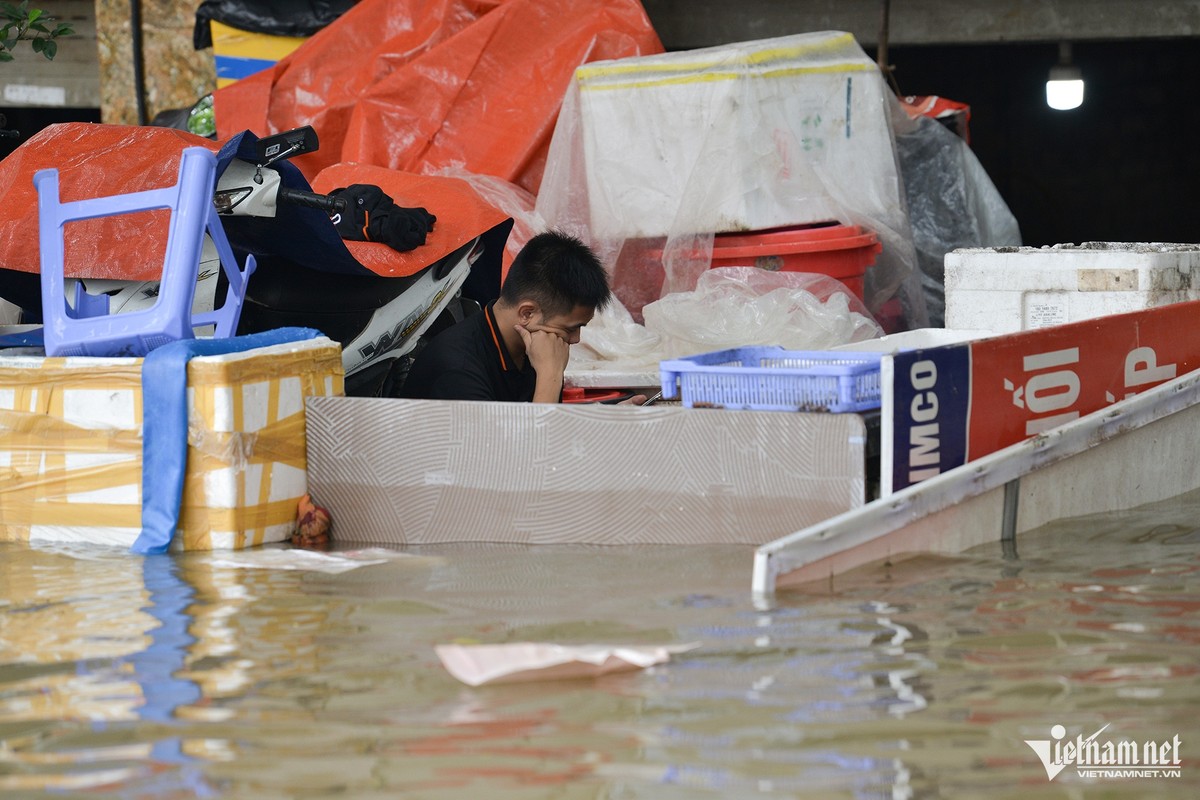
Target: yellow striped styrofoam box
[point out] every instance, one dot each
(71, 446)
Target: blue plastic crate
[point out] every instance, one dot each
(774, 379)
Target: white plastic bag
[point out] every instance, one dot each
(743, 306)
(730, 307)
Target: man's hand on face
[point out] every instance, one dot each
(547, 340)
(546, 350)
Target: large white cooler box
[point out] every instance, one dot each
(1007, 289)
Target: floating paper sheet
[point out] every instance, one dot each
(535, 661)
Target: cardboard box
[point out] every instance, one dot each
(71, 446)
(404, 472)
(1008, 289)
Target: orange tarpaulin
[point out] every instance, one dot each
(956, 115)
(421, 85)
(104, 160)
(93, 161)
(401, 93)
(461, 215)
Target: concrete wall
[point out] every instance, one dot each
(176, 75)
(94, 66)
(686, 24)
(71, 80)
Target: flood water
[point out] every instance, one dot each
(177, 677)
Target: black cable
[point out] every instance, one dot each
(881, 50)
(139, 60)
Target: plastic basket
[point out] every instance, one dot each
(774, 379)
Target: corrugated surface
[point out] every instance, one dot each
(419, 472)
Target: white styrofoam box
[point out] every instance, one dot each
(747, 136)
(71, 445)
(1007, 289)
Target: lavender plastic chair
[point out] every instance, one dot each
(88, 329)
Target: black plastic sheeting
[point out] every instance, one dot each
(952, 203)
(274, 17)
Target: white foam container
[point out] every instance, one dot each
(747, 136)
(1007, 289)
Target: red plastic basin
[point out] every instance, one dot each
(843, 252)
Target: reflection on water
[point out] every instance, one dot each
(171, 676)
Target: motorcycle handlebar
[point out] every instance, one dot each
(322, 202)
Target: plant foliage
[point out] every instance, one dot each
(20, 23)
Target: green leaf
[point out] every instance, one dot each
(63, 29)
(5, 55)
(39, 27)
(50, 49)
(34, 15)
(38, 44)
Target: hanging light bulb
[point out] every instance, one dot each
(1064, 88)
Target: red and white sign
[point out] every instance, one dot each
(1026, 383)
(976, 398)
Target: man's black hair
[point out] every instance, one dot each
(558, 272)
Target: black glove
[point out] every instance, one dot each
(372, 216)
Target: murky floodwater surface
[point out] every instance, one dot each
(175, 676)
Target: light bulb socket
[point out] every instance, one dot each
(1065, 73)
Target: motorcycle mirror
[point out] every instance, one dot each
(286, 144)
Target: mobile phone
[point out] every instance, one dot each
(652, 399)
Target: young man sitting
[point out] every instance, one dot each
(517, 349)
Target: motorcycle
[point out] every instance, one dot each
(306, 276)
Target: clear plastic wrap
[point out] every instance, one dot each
(729, 307)
(674, 148)
(508, 198)
(952, 203)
